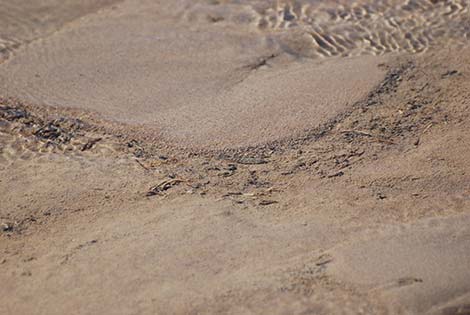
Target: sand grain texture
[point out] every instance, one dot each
(234, 157)
(199, 85)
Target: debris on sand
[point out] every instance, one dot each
(141, 164)
(163, 186)
(251, 160)
(229, 170)
(90, 144)
(408, 281)
(60, 130)
(449, 73)
(335, 174)
(7, 227)
(324, 259)
(49, 131)
(267, 202)
(357, 133)
(11, 113)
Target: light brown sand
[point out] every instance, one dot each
(204, 83)
(25, 21)
(197, 84)
(362, 208)
(418, 266)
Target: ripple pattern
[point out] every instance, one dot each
(346, 28)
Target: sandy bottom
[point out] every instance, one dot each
(234, 157)
(197, 84)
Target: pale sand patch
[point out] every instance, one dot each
(197, 84)
(23, 21)
(420, 266)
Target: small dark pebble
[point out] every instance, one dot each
(232, 167)
(381, 196)
(7, 227)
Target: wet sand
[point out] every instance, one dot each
(234, 157)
